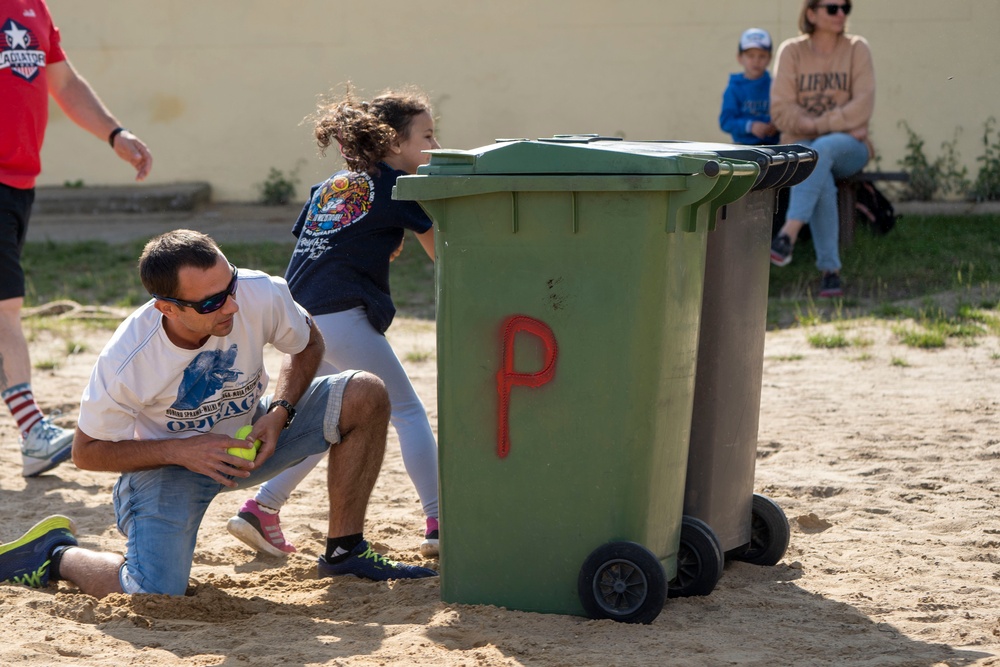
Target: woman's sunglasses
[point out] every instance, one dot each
(833, 9)
(212, 303)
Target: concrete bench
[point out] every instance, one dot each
(847, 198)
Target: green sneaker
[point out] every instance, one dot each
(26, 560)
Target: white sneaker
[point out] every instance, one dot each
(46, 446)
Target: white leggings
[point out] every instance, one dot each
(352, 343)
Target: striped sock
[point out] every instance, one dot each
(21, 402)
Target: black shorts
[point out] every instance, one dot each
(15, 209)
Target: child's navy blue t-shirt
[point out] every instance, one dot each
(346, 233)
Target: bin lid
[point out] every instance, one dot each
(572, 155)
(701, 180)
(781, 165)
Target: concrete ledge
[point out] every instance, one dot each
(224, 222)
(947, 207)
(138, 198)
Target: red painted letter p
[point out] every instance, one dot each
(507, 378)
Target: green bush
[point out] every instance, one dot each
(987, 185)
(929, 179)
(279, 189)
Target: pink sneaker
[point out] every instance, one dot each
(429, 547)
(259, 529)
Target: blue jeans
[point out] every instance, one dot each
(814, 200)
(159, 511)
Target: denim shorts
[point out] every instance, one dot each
(159, 511)
(15, 209)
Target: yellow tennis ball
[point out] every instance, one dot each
(248, 453)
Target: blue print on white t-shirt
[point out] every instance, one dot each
(205, 376)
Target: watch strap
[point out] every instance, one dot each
(289, 408)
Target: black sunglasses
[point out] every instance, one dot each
(833, 9)
(212, 303)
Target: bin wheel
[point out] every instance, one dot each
(769, 533)
(699, 560)
(622, 581)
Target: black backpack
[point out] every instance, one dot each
(872, 210)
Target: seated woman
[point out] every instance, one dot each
(823, 96)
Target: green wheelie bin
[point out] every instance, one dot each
(569, 280)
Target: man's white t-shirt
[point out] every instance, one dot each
(145, 387)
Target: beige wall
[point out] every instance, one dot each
(217, 88)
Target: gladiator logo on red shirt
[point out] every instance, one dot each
(21, 53)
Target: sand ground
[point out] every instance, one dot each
(884, 458)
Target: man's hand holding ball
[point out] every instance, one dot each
(248, 453)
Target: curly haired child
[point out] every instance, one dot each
(348, 233)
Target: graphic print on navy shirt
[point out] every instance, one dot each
(199, 404)
(338, 203)
(20, 51)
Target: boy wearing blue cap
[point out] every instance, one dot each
(746, 103)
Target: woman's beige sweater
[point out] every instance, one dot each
(837, 90)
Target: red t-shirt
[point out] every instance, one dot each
(29, 41)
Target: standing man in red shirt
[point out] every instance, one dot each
(32, 67)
